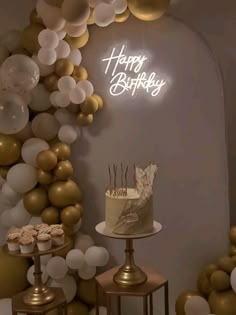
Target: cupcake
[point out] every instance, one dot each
(27, 227)
(45, 230)
(27, 243)
(57, 237)
(33, 233)
(40, 226)
(44, 242)
(13, 241)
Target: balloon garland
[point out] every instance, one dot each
(45, 97)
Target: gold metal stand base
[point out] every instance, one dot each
(127, 276)
(38, 296)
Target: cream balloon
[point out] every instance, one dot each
(26, 133)
(77, 95)
(63, 49)
(120, 6)
(44, 69)
(48, 39)
(86, 86)
(21, 171)
(68, 284)
(75, 31)
(40, 99)
(67, 134)
(6, 220)
(233, 279)
(57, 268)
(31, 148)
(197, 305)
(47, 56)
(62, 99)
(104, 14)
(75, 57)
(75, 259)
(97, 256)
(10, 194)
(87, 272)
(50, 15)
(45, 126)
(66, 84)
(83, 242)
(65, 117)
(61, 34)
(19, 215)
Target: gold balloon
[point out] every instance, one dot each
(81, 209)
(226, 264)
(64, 193)
(99, 100)
(232, 250)
(223, 303)
(63, 170)
(148, 10)
(120, 18)
(10, 150)
(35, 18)
(89, 106)
(80, 73)
(77, 307)
(36, 200)
(91, 20)
(51, 81)
(182, 299)
(64, 67)
(29, 38)
(234, 259)
(3, 171)
(78, 42)
(209, 269)
(220, 280)
(70, 215)
(44, 178)
(87, 291)
(84, 120)
(204, 285)
(13, 274)
(232, 234)
(50, 215)
(64, 251)
(62, 151)
(46, 160)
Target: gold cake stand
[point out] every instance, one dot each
(38, 294)
(129, 274)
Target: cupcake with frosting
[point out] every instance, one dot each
(33, 233)
(45, 230)
(58, 237)
(40, 226)
(13, 241)
(27, 243)
(27, 227)
(44, 242)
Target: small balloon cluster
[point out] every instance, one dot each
(216, 287)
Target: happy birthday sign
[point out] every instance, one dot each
(127, 75)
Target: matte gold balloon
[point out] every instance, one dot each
(223, 303)
(80, 208)
(232, 234)
(182, 299)
(35, 18)
(99, 100)
(87, 291)
(70, 216)
(220, 280)
(204, 285)
(64, 251)
(68, 230)
(64, 67)
(64, 193)
(232, 250)
(44, 178)
(80, 73)
(46, 160)
(148, 10)
(89, 106)
(76, 308)
(36, 200)
(3, 171)
(78, 42)
(63, 170)
(209, 269)
(91, 20)
(120, 18)
(10, 150)
(234, 259)
(50, 215)
(51, 81)
(29, 38)
(62, 151)
(84, 120)
(13, 274)
(226, 264)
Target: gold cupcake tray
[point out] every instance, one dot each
(38, 294)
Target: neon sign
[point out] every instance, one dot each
(127, 75)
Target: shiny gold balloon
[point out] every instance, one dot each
(80, 73)
(64, 193)
(3, 171)
(234, 259)
(209, 269)
(226, 264)
(13, 274)
(78, 42)
(220, 280)
(62, 151)
(232, 234)
(51, 81)
(87, 291)
(89, 106)
(232, 250)
(64, 67)
(64, 251)
(29, 38)
(50, 215)
(80, 208)
(46, 160)
(120, 18)
(182, 299)
(10, 150)
(148, 10)
(99, 100)
(44, 178)
(35, 18)
(204, 285)
(84, 120)
(63, 170)
(223, 303)
(91, 20)
(77, 307)
(36, 200)
(70, 215)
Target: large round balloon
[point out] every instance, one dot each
(22, 177)
(182, 299)
(14, 113)
(10, 148)
(31, 148)
(223, 303)
(75, 12)
(77, 307)
(19, 73)
(45, 126)
(148, 10)
(13, 271)
(85, 286)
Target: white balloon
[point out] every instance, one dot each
(48, 39)
(2, 181)
(44, 69)
(6, 219)
(57, 268)
(40, 99)
(31, 148)
(104, 14)
(77, 95)
(65, 117)
(52, 98)
(68, 284)
(5, 203)
(12, 40)
(5, 307)
(45, 126)
(61, 34)
(97, 256)
(10, 194)
(62, 99)
(75, 57)
(233, 280)
(50, 15)
(26, 133)
(67, 134)
(75, 31)
(22, 177)
(45, 259)
(83, 242)
(66, 84)
(63, 49)
(87, 272)
(47, 56)
(4, 54)
(30, 274)
(120, 6)
(26, 96)
(75, 259)
(35, 220)
(86, 86)
(196, 305)
(102, 311)
(19, 215)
